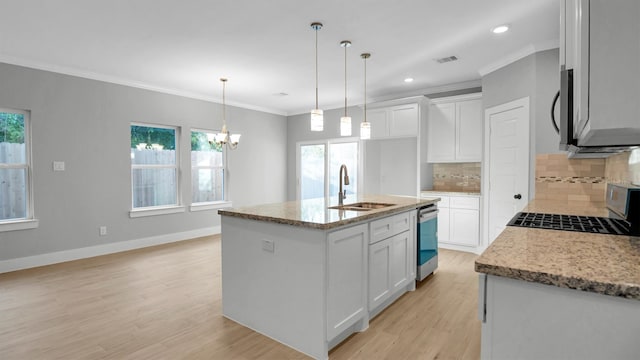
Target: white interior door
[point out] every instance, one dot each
(507, 157)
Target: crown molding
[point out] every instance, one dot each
(520, 54)
(128, 82)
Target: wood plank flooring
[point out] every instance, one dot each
(165, 303)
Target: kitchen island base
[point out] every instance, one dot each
(525, 320)
(311, 288)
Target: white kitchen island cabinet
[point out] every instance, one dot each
(392, 260)
(299, 272)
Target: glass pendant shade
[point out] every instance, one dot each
(365, 130)
(317, 120)
(345, 126)
(234, 139)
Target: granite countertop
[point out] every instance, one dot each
(605, 264)
(315, 213)
(453, 193)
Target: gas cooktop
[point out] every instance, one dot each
(590, 224)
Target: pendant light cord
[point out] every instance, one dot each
(365, 87)
(345, 79)
(316, 29)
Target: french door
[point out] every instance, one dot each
(318, 167)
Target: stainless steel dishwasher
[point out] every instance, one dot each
(427, 241)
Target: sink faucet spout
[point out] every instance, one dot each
(342, 194)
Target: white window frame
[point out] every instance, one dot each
(162, 209)
(211, 205)
(29, 221)
(327, 145)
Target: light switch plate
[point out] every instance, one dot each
(268, 245)
(58, 166)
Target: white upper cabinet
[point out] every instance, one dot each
(469, 130)
(454, 131)
(441, 132)
(394, 121)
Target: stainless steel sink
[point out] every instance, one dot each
(361, 206)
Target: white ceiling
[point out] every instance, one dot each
(267, 47)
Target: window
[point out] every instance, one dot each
(312, 172)
(207, 169)
(154, 166)
(15, 167)
(318, 169)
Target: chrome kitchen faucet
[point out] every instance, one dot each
(342, 194)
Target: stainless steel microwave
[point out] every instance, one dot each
(600, 68)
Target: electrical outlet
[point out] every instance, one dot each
(268, 245)
(103, 230)
(58, 166)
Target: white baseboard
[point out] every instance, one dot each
(469, 249)
(91, 251)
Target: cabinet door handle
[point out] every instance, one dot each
(517, 196)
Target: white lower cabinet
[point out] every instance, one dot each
(347, 276)
(392, 259)
(531, 321)
(458, 221)
(464, 227)
(379, 272)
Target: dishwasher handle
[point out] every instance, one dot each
(427, 214)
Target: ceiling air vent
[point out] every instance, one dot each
(446, 59)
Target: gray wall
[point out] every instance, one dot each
(86, 124)
(298, 129)
(538, 77)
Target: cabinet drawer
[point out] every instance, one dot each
(465, 202)
(401, 223)
(389, 226)
(381, 229)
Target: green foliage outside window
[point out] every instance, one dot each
(12, 128)
(152, 135)
(200, 142)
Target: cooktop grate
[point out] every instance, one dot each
(590, 224)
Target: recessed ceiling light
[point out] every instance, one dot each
(500, 29)
(408, 80)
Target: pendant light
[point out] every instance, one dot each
(365, 127)
(224, 137)
(317, 118)
(345, 121)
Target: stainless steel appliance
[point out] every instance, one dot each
(427, 239)
(599, 87)
(623, 202)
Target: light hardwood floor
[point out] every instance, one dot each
(165, 303)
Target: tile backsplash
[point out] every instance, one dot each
(579, 181)
(624, 168)
(583, 180)
(463, 177)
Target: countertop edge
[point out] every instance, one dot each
(611, 289)
(328, 226)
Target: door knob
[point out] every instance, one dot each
(517, 196)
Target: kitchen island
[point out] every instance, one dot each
(548, 294)
(308, 274)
